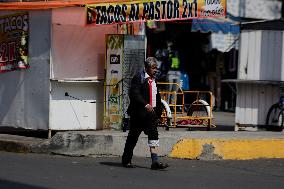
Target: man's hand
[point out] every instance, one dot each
(149, 108)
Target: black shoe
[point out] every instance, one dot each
(159, 165)
(128, 165)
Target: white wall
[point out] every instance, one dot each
(67, 113)
(24, 94)
(261, 55)
(254, 101)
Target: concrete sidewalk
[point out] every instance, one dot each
(176, 143)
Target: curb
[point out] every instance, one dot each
(234, 146)
(14, 146)
(228, 149)
(20, 144)
(173, 146)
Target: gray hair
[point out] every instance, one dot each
(150, 61)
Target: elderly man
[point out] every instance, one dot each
(145, 110)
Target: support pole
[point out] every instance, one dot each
(49, 133)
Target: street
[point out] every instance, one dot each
(39, 171)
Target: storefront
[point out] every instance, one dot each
(62, 85)
(207, 50)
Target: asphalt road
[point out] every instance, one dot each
(38, 171)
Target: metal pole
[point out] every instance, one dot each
(49, 133)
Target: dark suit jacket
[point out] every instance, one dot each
(139, 97)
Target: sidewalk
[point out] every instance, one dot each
(176, 143)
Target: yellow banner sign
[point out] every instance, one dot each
(154, 10)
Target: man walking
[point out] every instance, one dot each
(145, 110)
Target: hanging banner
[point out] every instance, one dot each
(154, 10)
(14, 34)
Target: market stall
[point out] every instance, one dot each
(57, 82)
(64, 56)
(260, 79)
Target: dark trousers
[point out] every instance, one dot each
(149, 129)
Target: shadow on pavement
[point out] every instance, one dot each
(16, 185)
(116, 164)
(223, 128)
(25, 132)
(217, 128)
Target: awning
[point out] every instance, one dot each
(224, 31)
(217, 25)
(275, 25)
(49, 4)
(100, 12)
